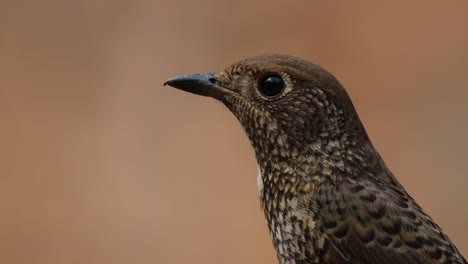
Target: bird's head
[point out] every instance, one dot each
(291, 109)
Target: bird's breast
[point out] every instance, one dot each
(293, 231)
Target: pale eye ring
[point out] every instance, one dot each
(271, 85)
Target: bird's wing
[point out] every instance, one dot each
(371, 223)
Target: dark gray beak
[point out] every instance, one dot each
(198, 83)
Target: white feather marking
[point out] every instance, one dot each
(259, 180)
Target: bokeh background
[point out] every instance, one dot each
(99, 163)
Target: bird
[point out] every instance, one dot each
(327, 195)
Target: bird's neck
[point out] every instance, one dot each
(287, 169)
(289, 177)
(325, 157)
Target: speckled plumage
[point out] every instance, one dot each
(327, 195)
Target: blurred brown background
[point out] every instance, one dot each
(99, 163)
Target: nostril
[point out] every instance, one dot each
(212, 80)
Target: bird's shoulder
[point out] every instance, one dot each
(368, 221)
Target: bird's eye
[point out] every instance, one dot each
(271, 85)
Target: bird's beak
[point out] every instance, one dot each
(198, 83)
